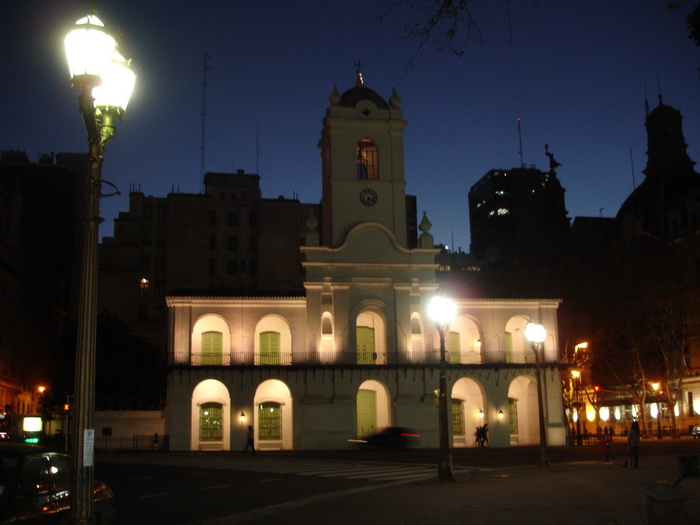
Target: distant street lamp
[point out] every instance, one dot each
(656, 387)
(442, 311)
(105, 82)
(535, 334)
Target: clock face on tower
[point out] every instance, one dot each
(368, 197)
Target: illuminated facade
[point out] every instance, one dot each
(355, 351)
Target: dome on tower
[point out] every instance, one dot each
(354, 95)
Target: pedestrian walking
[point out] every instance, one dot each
(632, 446)
(250, 441)
(606, 443)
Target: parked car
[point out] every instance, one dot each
(35, 485)
(389, 438)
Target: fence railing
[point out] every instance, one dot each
(149, 442)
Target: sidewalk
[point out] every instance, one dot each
(580, 493)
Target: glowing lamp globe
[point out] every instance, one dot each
(89, 48)
(442, 310)
(535, 333)
(117, 84)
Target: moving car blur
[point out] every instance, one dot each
(390, 438)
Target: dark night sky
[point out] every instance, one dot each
(575, 73)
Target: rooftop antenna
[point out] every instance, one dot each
(520, 142)
(202, 147)
(634, 182)
(658, 89)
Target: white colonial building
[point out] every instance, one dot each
(356, 351)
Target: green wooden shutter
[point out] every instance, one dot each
(365, 345)
(508, 342)
(269, 348)
(454, 347)
(212, 347)
(366, 413)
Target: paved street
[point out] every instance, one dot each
(492, 486)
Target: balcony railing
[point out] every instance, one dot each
(431, 357)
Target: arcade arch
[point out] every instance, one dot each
(210, 418)
(373, 404)
(467, 409)
(523, 413)
(273, 418)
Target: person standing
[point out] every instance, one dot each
(250, 441)
(633, 445)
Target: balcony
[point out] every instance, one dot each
(429, 358)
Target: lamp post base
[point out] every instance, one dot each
(445, 468)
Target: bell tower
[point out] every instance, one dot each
(363, 172)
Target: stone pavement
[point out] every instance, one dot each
(574, 493)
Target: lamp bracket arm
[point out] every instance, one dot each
(113, 193)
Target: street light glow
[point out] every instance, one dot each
(89, 47)
(442, 310)
(535, 333)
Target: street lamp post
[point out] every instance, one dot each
(579, 438)
(535, 334)
(104, 81)
(576, 374)
(656, 387)
(443, 311)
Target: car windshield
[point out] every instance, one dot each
(8, 472)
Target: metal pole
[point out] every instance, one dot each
(544, 460)
(84, 434)
(445, 464)
(579, 438)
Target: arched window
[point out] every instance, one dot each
(210, 422)
(327, 342)
(367, 160)
(370, 338)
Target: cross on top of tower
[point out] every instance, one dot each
(360, 81)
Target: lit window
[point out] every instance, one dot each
(367, 160)
(144, 284)
(270, 422)
(210, 419)
(458, 424)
